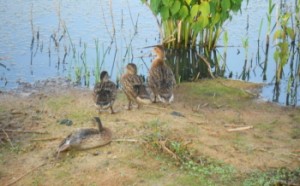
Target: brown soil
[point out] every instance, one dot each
(30, 118)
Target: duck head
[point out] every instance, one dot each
(99, 123)
(104, 76)
(159, 51)
(131, 69)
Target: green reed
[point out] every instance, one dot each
(281, 37)
(86, 74)
(97, 67)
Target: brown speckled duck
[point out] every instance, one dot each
(161, 79)
(86, 138)
(133, 87)
(105, 93)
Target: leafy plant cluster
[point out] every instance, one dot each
(191, 22)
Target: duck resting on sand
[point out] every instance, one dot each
(86, 138)
(105, 93)
(161, 79)
(134, 87)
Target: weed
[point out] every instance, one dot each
(199, 167)
(280, 176)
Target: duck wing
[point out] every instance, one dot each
(105, 93)
(131, 85)
(74, 139)
(162, 81)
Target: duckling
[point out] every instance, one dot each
(161, 79)
(105, 92)
(133, 87)
(86, 138)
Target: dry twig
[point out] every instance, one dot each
(167, 150)
(126, 140)
(239, 129)
(46, 139)
(8, 138)
(24, 131)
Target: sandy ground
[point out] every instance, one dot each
(199, 120)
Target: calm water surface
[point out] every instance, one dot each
(27, 60)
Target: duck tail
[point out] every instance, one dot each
(64, 145)
(166, 98)
(144, 100)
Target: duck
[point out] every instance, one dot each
(86, 138)
(161, 79)
(134, 87)
(105, 93)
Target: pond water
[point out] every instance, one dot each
(45, 39)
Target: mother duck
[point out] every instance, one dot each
(161, 79)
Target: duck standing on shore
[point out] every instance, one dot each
(161, 79)
(86, 138)
(134, 87)
(105, 93)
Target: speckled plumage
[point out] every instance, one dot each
(161, 79)
(105, 92)
(134, 87)
(86, 138)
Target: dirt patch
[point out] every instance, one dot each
(198, 120)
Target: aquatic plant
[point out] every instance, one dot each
(282, 36)
(187, 23)
(86, 74)
(245, 72)
(97, 66)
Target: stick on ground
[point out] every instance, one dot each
(239, 129)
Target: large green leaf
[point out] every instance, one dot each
(168, 3)
(183, 12)
(164, 12)
(204, 8)
(176, 7)
(203, 20)
(194, 10)
(213, 7)
(225, 4)
(216, 19)
(154, 5)
(188, 1)
(197, 27)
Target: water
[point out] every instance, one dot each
(91, 20)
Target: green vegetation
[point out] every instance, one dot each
(282, 36)
(184, 21)
(59, 103)
(281, 176)
(186, 24)
(197, 168)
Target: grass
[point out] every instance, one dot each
(295, 134)
(196, 170)
(58, 103)
(218, 93)
(267, 126)
(208, 160)
(281, 176)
